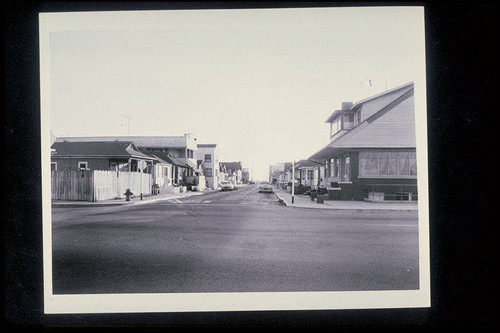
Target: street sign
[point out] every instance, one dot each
(142, 164)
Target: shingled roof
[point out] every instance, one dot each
(98, 149)
(391, 126)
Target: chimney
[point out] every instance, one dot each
(346, 106)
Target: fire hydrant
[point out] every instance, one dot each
(127, 194)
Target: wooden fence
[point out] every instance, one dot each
(96, 185)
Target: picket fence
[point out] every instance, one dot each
(97, 185)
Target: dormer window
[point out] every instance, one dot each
(335, 126)
(357, 118)
(344, 121)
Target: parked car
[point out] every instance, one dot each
(265, 187)
(237, 185)
(226, 186)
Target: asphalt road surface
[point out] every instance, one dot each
(237, 241)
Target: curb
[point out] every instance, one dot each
(353, 210)
(119, 203)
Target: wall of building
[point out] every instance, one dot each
(213, 180)
(358, 188)
(92, 163)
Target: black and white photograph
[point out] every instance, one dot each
(234, 160)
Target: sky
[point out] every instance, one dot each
(258, 83)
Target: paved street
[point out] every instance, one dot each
(238, 241)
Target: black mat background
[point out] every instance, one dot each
(462, 74)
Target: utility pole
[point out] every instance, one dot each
(293, 180)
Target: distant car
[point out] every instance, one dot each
(251, 182)
(226, 186)
(237, 185)
(265, 187)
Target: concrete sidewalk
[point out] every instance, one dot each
(122, 202)
(304, 201)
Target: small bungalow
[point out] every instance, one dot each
(372, 149)
(117, 156)
(307, 173)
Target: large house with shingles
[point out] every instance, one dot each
(372, 149)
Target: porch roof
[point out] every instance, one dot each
(306, 164)
(177, 161)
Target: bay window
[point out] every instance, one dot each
(387, 164)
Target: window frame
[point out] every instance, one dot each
(408, 153)
(55, 164)
(83, 162)
(357, 117)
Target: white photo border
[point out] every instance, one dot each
(204, 302)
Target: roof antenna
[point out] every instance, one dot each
(128, 124)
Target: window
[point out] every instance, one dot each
(348, 121)
(404, 164)
(373, 164)
(357, 118)
(208, 158)
(208, 172)
(337, 167)
(310, 174)
(190, 153)
(335, 126)
(133, 166)
(387, 164)
(53, 166)
(346, 169)
(165, 172)
(413, 163)
(83, 165)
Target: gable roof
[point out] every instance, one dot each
(98, 149)
(177, 161)
(392, 126)
(306, 164)
(160, 160)
(372, 104)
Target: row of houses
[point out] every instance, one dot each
(169, 161)
(370, 155)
